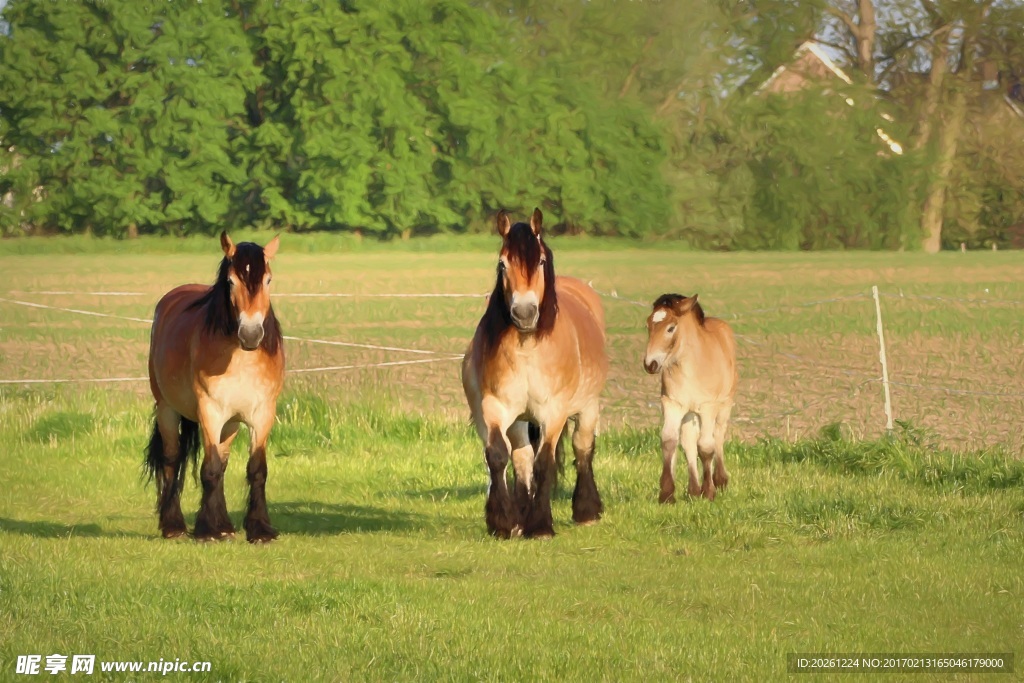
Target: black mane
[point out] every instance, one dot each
(250, 267)
(670, 301)
(523, 248)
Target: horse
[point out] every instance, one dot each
(216, 360)
(537, 358)
(696, 357)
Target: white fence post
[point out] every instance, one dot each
(881, 357)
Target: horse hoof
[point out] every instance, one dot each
(173, 533)
(588, 522)
(266, 535)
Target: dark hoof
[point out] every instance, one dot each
(260, 532)
(586, 517)
(541, 532)
(708, 493)
(206, 532)
(720, 482)
(694, 490)
(667, 498)
(174, 532)
(505, 534)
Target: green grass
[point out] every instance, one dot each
(832, 537)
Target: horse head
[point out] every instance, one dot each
(526, 274)
(663, 340)
(246, 269)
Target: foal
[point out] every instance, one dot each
(537, 357)
(697, 360)
(216, 360)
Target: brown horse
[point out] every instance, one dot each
(697, 360)
(537, 357)
(216, 360)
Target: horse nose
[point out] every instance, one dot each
(524, 315)
(651, 366)
(250, 336)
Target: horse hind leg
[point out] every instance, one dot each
(706, 448)
(690, 432)
(539, 523)
(586, 500)
(721, 476)
(522, 437)
(165, 462)
(213, 522)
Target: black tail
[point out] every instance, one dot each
(188, 449)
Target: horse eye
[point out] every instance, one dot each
(543, 260)
(671, 329)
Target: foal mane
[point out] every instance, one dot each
(522, 247)
(250, 267)
(671, 301)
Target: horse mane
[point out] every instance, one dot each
(526, 248)
(670, 301)
(250, 267)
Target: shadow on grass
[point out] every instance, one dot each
(44, 529)
(325, 519)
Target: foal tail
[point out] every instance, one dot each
(188, 450)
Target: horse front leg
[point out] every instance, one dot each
(672, 420)
(257, 519)
(213, 522)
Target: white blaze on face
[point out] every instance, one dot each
(658, 316)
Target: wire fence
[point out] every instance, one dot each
(963, 388)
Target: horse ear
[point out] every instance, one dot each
(535, 221)
(502, 224)
(226, 244)
(270, 250)
(684, 305)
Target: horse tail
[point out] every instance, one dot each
(188, 449)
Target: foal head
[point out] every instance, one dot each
(525, 286)
(663, 337)
(245, 273)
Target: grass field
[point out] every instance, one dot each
(829, 540)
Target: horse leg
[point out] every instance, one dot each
(690, 433)
(586, 501)
(539, 523)
(169, 471)
(522, 464)
(672, 419)
(721, 477)
(492, 424)
(257, 520)
(706, 450)
(213, 521)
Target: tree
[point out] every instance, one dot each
(118, 116)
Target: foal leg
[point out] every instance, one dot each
(586, 501)
(522, 464)
(539, 523)
(169, 477)
(213, 522)
(721, 477)
(257, 520)
(706, 449)
(672, 418)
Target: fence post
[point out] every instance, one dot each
(881, 357)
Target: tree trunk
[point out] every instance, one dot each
(949, 140)
(866, 40)
(940, 57)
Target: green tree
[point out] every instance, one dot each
(117, 117)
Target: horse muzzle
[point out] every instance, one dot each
(525, 316)
(652, 366)
(250, 336)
